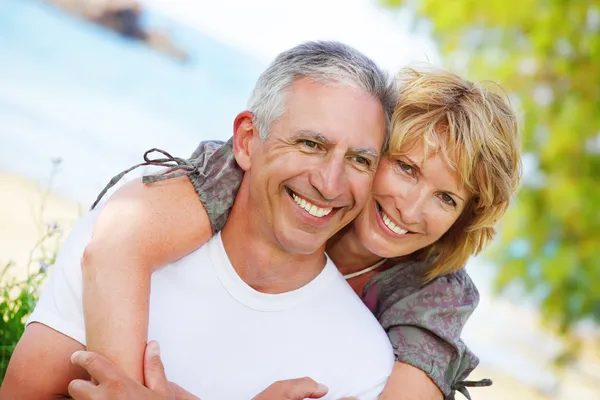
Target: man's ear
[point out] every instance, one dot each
(244, 132)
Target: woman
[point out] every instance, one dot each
(449, 171)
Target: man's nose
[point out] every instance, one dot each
(331, 180)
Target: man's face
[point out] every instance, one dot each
(312, 175)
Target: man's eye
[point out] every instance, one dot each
(309, 143)
(362, 161)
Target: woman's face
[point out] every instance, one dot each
(415, 200)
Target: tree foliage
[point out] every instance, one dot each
(546, 54)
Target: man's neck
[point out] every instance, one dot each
(257, 258)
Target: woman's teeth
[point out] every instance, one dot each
(311, 208)
(388, 222)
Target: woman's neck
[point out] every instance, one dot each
(348, 253)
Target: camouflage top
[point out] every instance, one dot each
(423, 321)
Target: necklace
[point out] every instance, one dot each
(364, 271)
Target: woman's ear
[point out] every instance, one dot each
(244, 132)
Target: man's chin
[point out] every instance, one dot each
(302, 243)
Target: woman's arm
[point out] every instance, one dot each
(410, 383)
(141, 228)
(424, 323)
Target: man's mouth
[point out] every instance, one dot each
(310, 208)
(391, 225)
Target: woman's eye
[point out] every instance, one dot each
(407, 168)
(447, 199)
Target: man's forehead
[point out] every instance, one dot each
(336, 114)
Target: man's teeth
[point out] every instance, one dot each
(388, 222)
(311, 208)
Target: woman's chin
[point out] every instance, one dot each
(383, 245)
(389, 249)
(384, 250)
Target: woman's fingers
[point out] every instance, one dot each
(293, 389)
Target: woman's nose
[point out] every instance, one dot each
(411, 205)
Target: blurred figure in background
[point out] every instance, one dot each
(125, 18)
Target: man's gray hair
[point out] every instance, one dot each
(325, 62)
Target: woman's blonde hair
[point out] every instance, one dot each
(477, 131)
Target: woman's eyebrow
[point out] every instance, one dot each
(417, 167)
(413, 163)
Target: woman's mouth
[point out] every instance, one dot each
(391, 225)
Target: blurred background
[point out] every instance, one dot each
(86, 86)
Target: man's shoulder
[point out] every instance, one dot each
(203, 253)
(352, 339)
(340, 302)
(191, 265)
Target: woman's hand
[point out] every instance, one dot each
(295, 389)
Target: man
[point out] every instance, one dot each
(260, 302)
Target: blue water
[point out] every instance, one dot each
(74, 90)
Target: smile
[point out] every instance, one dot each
(310, 208)
(390, 224)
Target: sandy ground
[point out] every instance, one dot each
(21, 224)
(23, 220)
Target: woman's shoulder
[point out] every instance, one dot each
(206, 148)
(216, 179)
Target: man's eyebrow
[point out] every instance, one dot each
(315, 135)
(367, 152)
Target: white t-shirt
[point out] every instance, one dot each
(221, 339)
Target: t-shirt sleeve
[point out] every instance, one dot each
(60, 306)
(216, 179)
(425, 322)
